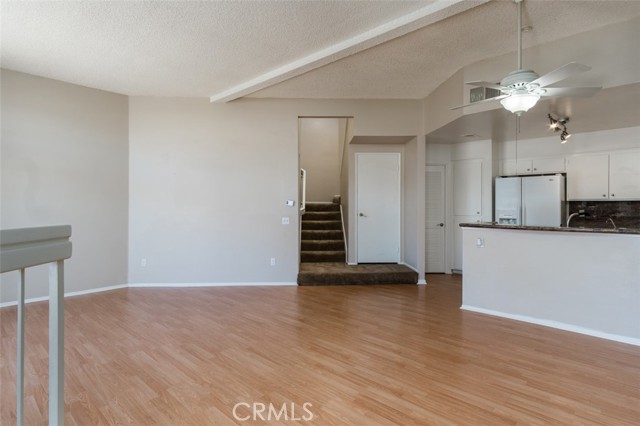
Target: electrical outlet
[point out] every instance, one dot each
(273, 261)
(285, 220)
(143, 262)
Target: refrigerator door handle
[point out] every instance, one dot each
(524, 215)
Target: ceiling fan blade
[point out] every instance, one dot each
(571, 91)
(560, 74)
(484, 101)
(484, 84)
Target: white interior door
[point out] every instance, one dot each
(435, 219)
(378, 207)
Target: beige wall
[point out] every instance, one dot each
(208, 184)
(413, 204)
(319, 145)
(64, 161)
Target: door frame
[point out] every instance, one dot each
(399, 156)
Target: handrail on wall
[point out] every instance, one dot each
(303, 203)
(23, 248)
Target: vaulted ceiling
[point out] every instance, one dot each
(279, 49)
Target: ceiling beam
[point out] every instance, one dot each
(434, 12)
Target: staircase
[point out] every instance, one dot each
(322, 237)
(323, 257)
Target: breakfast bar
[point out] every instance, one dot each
(578, 279)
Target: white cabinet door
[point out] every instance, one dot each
(588, 177)
(435, 219)
(508, 167)
(624, 176)
(524, 167)
(467, 187)
(548, 165)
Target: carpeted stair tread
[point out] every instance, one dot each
(309, 245)
(321, 216)
(321, 225)
(322, 207)
(322, 256)
(322, 235)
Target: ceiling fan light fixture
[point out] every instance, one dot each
(518, 103)
(564, 136)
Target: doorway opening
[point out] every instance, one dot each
(323, 159)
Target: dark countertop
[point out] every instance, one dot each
(632, 231)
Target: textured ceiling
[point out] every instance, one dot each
(197, 49)
(412, 66)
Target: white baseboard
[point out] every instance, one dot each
(143, 285)
(187, 285)
(408, 266)
(555, 324)
(69, 294)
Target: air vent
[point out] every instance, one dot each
(481, 93)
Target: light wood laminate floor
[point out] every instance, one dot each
(361, 355)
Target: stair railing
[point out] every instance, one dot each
(344, 236)
(303, 202)
(21, 249)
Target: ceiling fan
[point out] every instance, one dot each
(522, 89)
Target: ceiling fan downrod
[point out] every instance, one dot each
(519, 31)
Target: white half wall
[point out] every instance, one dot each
(584, 282)
(65, 161)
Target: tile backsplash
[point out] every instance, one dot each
(625, 214)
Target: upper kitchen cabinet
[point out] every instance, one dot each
(532, 166)
(613, 176)
(588, 177)
(547, 165)
(524, 167)
(508, 167)
(624, 175)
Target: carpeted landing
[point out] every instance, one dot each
(339, 273)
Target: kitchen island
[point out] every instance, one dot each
(577, 279)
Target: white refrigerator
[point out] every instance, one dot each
(530, 200)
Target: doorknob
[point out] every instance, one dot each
(362, 215)
(441, 224)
